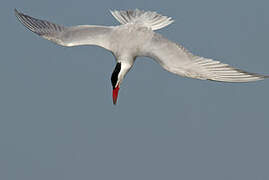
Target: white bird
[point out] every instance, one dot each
(136, 37)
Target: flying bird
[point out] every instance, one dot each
(134, 37)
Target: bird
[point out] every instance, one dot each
(136, 37)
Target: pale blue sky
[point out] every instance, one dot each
(57, 120)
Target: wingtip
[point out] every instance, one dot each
(17, 14)
(111, 10)
(16, 11)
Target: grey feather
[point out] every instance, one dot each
(66, 36)
(176, 59)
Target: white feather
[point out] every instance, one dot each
(148, 19)
(176, 59)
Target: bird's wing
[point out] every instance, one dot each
(67, 36)
(176, 59)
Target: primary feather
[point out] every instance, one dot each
(176, 59)
(67, 36)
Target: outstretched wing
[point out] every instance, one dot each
(176, 59)
(67, 36)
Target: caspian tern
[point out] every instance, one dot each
(136, 37)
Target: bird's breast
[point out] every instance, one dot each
(129, 39)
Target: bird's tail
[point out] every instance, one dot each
(149, 19)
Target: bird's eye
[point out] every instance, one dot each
(114, 76)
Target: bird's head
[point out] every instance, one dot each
(117, 77)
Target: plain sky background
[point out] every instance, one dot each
(57, 120)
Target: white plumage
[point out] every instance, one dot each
(136, 37)
(148, 19)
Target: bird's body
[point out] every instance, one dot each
(136, 37)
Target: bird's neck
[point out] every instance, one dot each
(126, 65)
